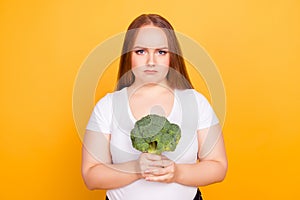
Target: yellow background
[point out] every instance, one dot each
(255, 45)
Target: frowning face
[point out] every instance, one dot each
(150, 57)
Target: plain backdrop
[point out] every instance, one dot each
(255, 45)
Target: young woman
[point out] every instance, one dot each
(152, 79)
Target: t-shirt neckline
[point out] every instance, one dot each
(131, 114)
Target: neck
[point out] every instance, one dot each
(151, 89)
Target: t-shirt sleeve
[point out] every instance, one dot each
(207, 116)
(100, 120)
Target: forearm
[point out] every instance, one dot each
(111, 176)
(200, 174)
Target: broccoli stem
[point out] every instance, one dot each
(152, 147)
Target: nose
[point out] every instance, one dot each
(151, 59)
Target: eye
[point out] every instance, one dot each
(140, 52)
(162, 52)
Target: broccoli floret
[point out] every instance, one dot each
(155, 134)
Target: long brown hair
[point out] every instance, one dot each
(177, 78)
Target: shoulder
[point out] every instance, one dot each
(104, 101)
(193, 98)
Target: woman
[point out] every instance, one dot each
(152, 79)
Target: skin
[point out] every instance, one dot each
(150, 64)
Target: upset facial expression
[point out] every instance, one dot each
(150, 57)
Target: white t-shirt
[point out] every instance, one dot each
(112, 115)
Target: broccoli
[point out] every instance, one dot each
(155, 134)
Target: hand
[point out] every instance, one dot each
(146, 163)
(157, 168)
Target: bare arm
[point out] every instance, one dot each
(97, 169)
(211, 169)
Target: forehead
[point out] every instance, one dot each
(151, 37)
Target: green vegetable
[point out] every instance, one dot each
(155, 134)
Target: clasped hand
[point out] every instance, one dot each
(157, 168)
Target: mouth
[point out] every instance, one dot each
(149, 71)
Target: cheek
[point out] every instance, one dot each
(165, 61)
(136, 61)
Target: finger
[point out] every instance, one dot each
(144, 160)
(158, 171)
(150, 170)
(164, 157)
(153, 157)
(161, 171)
(161, 163)
(163, 178)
